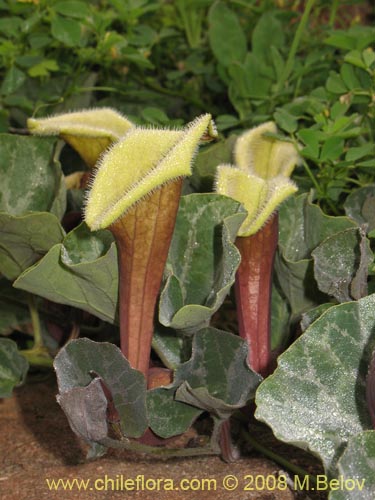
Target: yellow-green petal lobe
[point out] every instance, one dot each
(248, 189)
(142, 161)
(97, 122)
(283, 158)
(252, 150)
(278, 190)
(89, 132)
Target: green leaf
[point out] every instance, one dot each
(332, 149)
(81, 272)
(168, 417)
(44, 68)
(302, 226)
(356, 469)
(207, 379)
(267, 33)
(72, 8)
(202, 260)
(25, 239)
(30, 179)
(13, 367)
(311, 138)
(338, 260)
(169, 346)
(335, 84)
(227, 39)
(215, 379)
(14, 311)
(354, 154)
(360, 206)
(66, 31)
(13, 80)
(81, 360)
(285, 120)
(316, 397)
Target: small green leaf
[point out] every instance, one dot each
(335, 84)
(66, 31)
(356, 469)
(81, 272)
(13, 367)
(285, 120)
(44, 68)
(73, 8)
(332, 149)
(13, 80)
(202, 260)
(227, 39)
(267, 33)
(316, 397)
(82, 360)
(359, 152)
(25, 239)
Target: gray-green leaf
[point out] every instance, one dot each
(25, 239)
(81, 272)
(337, 262)
(30, 178)
(202, 260)
(13, 367)
(83, 359)
(316, 397)
(356, 468)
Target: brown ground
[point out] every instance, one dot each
(37, 444)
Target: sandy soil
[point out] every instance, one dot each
(37, 444)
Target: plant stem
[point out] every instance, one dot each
(35, 321)
(296, 41)
(143, 237)
(277, 458)
(332, 17)
(253, 288)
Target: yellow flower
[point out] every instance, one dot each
(89, 132)
(142, 161)
(260, 178)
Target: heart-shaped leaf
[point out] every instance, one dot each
(360, 206)
(80, 272)
(25, 239)
(35, 184)
(316, 397)
(13, 367)
(341, 264)
(83, 359)
(356, 469)
(302, 227)
(202, 260)
(215, 379)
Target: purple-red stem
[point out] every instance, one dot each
(143, 237)
(253, 289)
